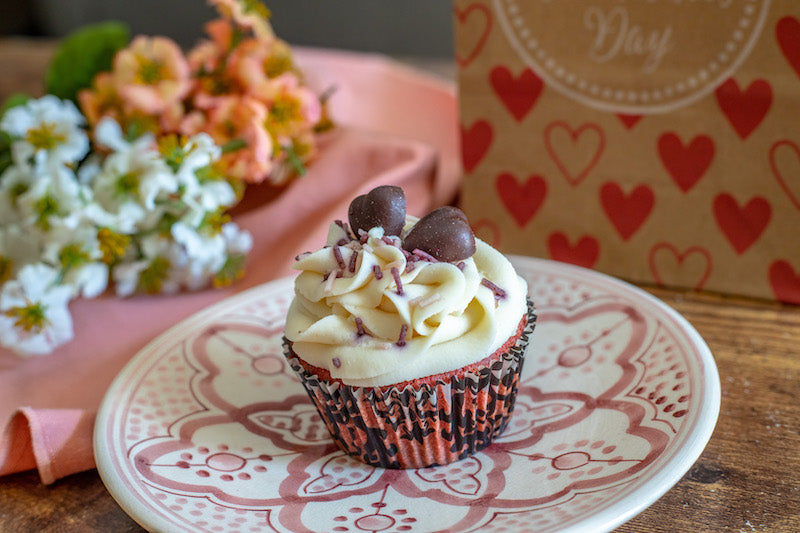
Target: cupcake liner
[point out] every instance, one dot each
(424, 423)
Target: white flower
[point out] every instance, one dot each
(78, 256)
(153, 223)
(19, 245)
(52, 199)
(201, 194)
(134, 174)
(13, 182)
(34, 318)
(206, 197)
(157, 270)
(237, 241)
(46, 132)
(198, 152)
(126, 276)
(205, 254)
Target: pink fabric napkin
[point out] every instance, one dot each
(396, 126)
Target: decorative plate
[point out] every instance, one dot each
(207, 429)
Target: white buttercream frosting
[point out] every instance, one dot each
(350, 317)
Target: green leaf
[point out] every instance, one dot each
(14, 100)
(233, 145)
(81, 55)
(5, 141)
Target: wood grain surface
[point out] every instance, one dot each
(748, 478)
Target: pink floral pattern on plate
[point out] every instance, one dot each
(208, 429)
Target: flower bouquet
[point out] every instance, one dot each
(124, 174)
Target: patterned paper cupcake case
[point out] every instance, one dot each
(424, 423)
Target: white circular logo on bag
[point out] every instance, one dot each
(633, 56)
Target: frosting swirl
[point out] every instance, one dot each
(373, 314)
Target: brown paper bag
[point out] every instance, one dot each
(655, 141)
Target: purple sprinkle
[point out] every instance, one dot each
(411, 264)
(360, 331)
(396, 276)
(352, 265)
(326, 276)
(461, 265)
(377, 271)
(392, 241)
(422, 254)
(499, 293)
(344, 227)
(342, 242)
(406, 254)
(336, 362)
(301, 256)
(403, 331)
(337, 254)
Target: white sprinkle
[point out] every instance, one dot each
(426, 301)
(329, 282)
(384, 345)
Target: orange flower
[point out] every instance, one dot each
(293, 109)
(208, 63)
(101, 100)
(221, 33)
(248, 14)
(240, 120)
(151, 74)
(255, 62)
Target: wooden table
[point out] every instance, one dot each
(747, 479)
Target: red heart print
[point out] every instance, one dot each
(744, 109)
(784, 160)
(518, 94)
(475, 142)
(629, 121)
(785, 281)
(574, 151)
(584, 253)
(788, 33)
(521, 200)
(626, 213)
(475, 24)
(690, 268)
(685, 164)
(741, 226)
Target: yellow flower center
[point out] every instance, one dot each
(212, 223)
(45, 136)
(284, 111)
(112, 244)
(73, 255)
(276, 64)
(127, 183)
(31, 318)
(255, 6)
(152, 278)
(150, 71)
(45, 207)
(171, 147)
(6, 269)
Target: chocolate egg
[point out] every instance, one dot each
(383, 206)
(444, 234)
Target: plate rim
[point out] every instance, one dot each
(698, 438)
(606, 519)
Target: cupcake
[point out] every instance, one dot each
(408, 334)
